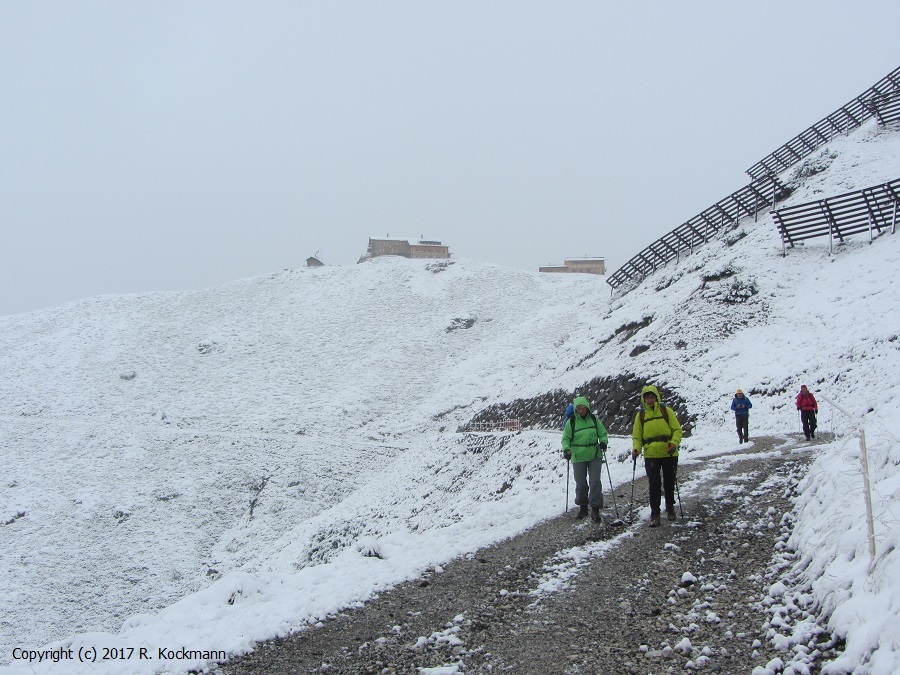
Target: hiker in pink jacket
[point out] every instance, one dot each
(806, 404)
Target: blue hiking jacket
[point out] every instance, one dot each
(741, 406)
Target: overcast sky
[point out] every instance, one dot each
(149, 146)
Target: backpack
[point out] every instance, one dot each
(663, 409)
(571, 423)
(665, 415)
(570, 410)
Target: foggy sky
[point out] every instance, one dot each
(153, 146)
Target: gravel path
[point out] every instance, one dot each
(578, 597)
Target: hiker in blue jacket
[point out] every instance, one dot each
(584, 442)
(741, 406)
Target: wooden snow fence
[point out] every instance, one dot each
(872, 210)
(506, 426)
(881, 100)
(750, 200)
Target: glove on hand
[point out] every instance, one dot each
(635, 454)
(602, 446)
(567, 454)
(671, 449)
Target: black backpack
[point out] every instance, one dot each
(663, 409)
(665, 416)
(571, 423)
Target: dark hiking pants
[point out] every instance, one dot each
(667, 467)
(743, 424)
(588, 490)
(808, 417)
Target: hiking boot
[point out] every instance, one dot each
(582, 512)
(670, 512)
(595, 516)
(654, 520)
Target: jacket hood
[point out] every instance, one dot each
(653, 390)
(581, 400)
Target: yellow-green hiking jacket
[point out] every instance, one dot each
(656, 432)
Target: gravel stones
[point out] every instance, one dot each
(701, 594)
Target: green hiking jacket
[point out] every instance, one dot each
(583, 437)
(655, 434)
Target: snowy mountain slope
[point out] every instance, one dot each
(257, 455)
(146, 426)
(717, 308)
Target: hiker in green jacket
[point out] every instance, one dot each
(658, 432)
(584, 442)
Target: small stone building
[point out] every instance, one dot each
(313, 261)
(578, 265)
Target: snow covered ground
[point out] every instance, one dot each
(205, 470)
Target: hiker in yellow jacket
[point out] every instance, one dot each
(658, 432)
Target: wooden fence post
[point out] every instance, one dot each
(867, 487)
(864, 461)
(830, 236)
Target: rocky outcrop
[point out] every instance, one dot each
(614, 399)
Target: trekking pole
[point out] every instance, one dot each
(633, 469)
(618, 521)
(678, 492)
(568, 463)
